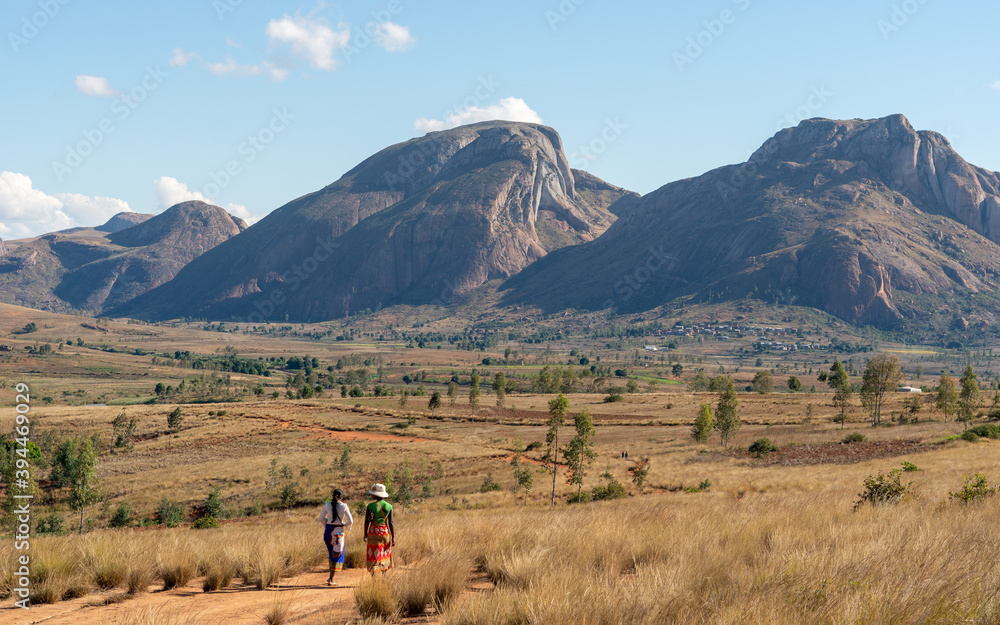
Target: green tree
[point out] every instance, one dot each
(474, 392)
(677, 370)
(727, 414)
(763, 382)
(702, 424)
(558, 408)
(842, 398)
(453, 392)
(580, 452)
(404, 396)
(969, 398)
(85, 488)
(174, 419)
(435, 401)
(794, 384)
(123, 431)
(882, 375)
(946, 398)
(837, 375)
(640, 471)
(632, 386)
(500, 388)
(522, 476)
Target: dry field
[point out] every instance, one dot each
(714, 536)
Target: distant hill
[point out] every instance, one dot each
(96, 268)
(422, 221)
(122, 221)
(868, 220)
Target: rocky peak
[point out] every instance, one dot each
(920, 165)
(123, 220)
(182, 224)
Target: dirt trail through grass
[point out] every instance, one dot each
(306, 597)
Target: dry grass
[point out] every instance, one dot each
(374, 598)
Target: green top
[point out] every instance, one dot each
(380, 511)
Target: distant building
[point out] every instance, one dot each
(908, 389)
(651, 348)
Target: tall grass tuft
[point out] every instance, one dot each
(374, 599)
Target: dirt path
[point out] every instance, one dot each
(304, 595)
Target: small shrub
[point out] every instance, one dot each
(974, 490)
(170, 513)
(533, 446)
(987, 430)
(854, 437)
(612, 490)
(882, 489)
(762, 447)
(994, 414)
(122, 516)
(614, 397)
(289, 495)
(970, 436)
(51, 523)
(205, 522)
(584, 497)
(909, 466)
(489, 485)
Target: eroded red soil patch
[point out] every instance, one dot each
(836, 453)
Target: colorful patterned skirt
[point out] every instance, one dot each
(333, 536)
(378, 556)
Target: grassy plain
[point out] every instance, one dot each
(714, 535)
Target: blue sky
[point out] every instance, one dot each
(116, 105)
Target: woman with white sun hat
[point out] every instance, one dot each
(380, 534)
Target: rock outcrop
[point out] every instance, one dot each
(868, 220)
(421, 222)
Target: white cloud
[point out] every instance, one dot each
(393, 37)
(508, 109)
(182, 58)
(311, 38)
(233, 44)
(170, 191)
(96, 86)
(230, 66)
(26, 211)
(996, 85)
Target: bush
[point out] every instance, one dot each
(533, 445)
(613, 397)
(289, 495)
(213, 503)
(854, 437)
(122, 516)
(170, 513)
(613, 489)
(994, 415)
(51, 523)
(909, 466)
(974, 490)
(205, 522)
(489, 485)
(583, 498)
(970, 436)
(987, 430)
(882, 489)
(761, 447)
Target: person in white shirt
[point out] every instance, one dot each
(336, 517)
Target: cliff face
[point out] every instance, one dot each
(862, 219)
(420, 222)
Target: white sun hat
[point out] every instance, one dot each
(378, 490)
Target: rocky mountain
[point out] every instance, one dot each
(868, 220)
(96, 268)
(122, 221)
(422, 221)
